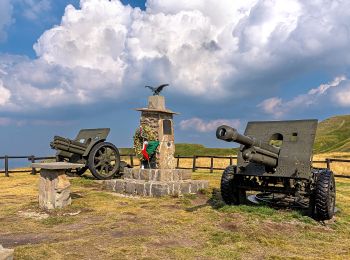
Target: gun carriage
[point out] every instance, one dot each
(90, 148)
(275, 159)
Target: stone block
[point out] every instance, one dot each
(130, 187)
(186, 175)
(159, 189)
(119, 186)
(175, 188)
(6, 254)
(128, 173)
(54, 189)
(140, 188)
(109, 185)
(185, 187)
(144, 174)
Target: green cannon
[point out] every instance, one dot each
(90, 148)
(274, 159)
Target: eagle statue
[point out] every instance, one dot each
(156, 91)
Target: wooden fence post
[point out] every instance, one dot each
(231, 160)
(131, 160)
(194, 163)
(211, 164)
(328, 162)
(32, 159)
(178, 162)
(7, 166)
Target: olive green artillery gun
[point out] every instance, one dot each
(89, 148)
(275, 159)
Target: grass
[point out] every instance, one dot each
(101, 225)
(333, 135)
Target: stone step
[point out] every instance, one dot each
(154, 188)
(157, 174)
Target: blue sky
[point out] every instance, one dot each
(67, 65)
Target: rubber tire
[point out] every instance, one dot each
(91, 161)
(324, 206)
(229, 191)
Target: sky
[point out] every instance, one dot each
(70, 64)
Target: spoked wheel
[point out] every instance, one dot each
(104, 160)
(325, 195)
(230, 192)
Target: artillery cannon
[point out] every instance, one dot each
(275, 159)
(89, 148)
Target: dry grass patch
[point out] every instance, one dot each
(101, 225)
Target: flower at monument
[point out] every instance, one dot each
(144, 134)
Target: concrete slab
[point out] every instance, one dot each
(57, 165)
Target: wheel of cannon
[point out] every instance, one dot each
(230, 192)
(325, 195)
(104, 160)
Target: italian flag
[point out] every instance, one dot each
(149, 148)
(144, 150)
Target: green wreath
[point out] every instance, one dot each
(146, 135)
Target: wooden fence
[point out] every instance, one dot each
(33, 159)
(195, 166)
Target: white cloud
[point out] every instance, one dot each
(200, 125)
(6, 10)
(278, 107)
(33, 9)
(5, 95)
(342, 97)
(205, 49)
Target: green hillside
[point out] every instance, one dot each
(192, 149)
(198, 149)
(333, 135)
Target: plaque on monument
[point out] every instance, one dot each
(167, 127)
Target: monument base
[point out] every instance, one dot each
(155, 182)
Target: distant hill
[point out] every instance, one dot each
(198, 149)
(193, 149)
(333, 135)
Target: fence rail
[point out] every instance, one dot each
(195, 166)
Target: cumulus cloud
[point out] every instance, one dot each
(278, 107)
(201, 125)
(206, 49)
(6, 10)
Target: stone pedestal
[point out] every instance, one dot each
(6, 254)
(155, 182)
(54, 186)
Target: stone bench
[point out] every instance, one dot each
(54, 186)
(6, 254)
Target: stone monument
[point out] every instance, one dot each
(164, 179)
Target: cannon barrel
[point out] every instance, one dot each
(254, 150)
